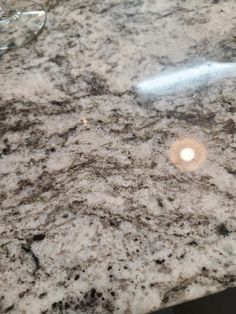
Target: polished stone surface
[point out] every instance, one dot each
(94, 216)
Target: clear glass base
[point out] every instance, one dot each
(21, 24)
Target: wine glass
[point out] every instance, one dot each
(20, 22)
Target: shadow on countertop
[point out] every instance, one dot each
(220, 303)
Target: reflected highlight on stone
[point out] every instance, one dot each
(170, 82)
(188, 154)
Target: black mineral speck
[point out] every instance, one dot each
(42, 295)
(153, 164)
(7, 310)
(58, 305)
(76, 277)
(222, 230)
(67, 306)
(193, 243)
(108, 306)
(160, 261)
(38, 237)
(93, 293)
(97, 85)
(54, 305)
(160, 203)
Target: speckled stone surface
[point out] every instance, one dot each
(94, 218)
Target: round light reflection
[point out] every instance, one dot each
(187, 154)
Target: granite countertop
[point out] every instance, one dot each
(94, 216)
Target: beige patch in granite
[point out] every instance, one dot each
(188, 154)
(83, 121)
